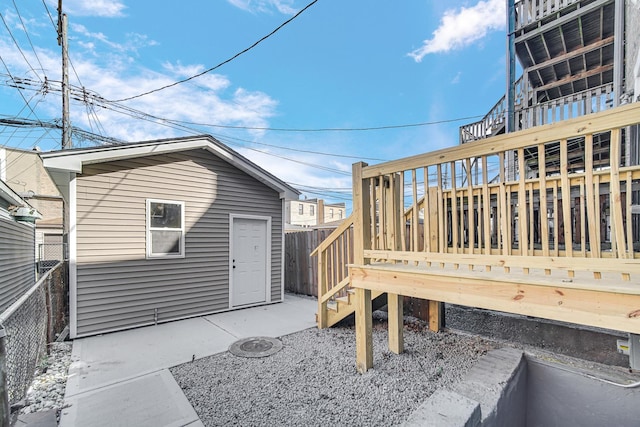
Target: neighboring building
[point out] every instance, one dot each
(22, 170)
(168, 229)
(306, 213)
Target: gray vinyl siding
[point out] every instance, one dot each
(117, 287)
(17, 260)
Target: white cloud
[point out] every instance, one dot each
(133, 42)
(456, 79)
(102, 8)
(460, 28)
(282, 6)
(110, 72)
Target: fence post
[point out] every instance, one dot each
(322, 288)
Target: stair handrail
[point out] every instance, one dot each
(345, 225)
(334, 254)
(497, 114)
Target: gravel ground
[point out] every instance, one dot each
(47, 389)
(312, 381)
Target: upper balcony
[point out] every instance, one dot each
(566, 50)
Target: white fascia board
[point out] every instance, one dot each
(73, 161)
(11, 196)
(62, 164)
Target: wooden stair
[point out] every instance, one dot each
(341, 307)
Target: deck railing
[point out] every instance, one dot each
(493, 121)
(531, 11)
(334, 254)
(541, 193)
(575, 105)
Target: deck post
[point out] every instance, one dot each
(362, 241)
(436, 314)
(395, 311)
(364, 325)
(322, 289)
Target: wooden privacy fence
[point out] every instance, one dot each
(300, 271)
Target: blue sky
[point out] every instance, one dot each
(339, 64)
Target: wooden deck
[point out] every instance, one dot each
(496, 224)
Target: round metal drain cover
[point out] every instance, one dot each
(256, 347)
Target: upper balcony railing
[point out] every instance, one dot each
(530, 11)
(493, 122)
(575, 105)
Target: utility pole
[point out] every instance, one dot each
(62, 41)
(511, 66)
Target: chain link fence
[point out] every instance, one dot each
(30, 323)
(49, 255)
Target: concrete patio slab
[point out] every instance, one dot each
(292, 315)
(105, 359)
(148, 401)
(122, 377)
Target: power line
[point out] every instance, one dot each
(223, 62)
(356, 129)
(27, 34)
(44, 3)
(342, 156)
(18, 46)
(108, 104)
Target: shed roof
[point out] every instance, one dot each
(72, 160)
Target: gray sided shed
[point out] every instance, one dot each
(127, 204)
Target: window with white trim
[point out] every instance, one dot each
(300, 209)
(165, 229)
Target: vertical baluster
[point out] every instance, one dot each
(415, 214)
(615, 196)
(382, 197)
(556, 222)
(566, 198)
(504, 241)
(374, 206)
(471, 230)
(403, 227)
(629, 216)
(522, 204)
(442, 212)
(454, 208)
(583, 225)
(426, 212)
(486, 206)
(544, 220)
(532, 224)
(592, 201)
(392, 215)
(596, 201)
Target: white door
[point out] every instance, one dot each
(249, 261)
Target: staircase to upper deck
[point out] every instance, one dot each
(566, 50)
